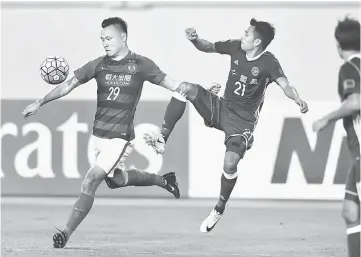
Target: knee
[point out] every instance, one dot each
(236, 147)
(92, 181)
(189, 90)
(350, 213)
(230, 165)
(120, 179)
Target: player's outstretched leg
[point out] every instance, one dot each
(228, 181)
(173, 114)
(81, 207)
(134, 177)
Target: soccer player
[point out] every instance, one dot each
(347, 35)
(236, 113)
(120, 75)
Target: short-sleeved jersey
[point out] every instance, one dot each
(120, 84)
(248, 79)
(349, 83)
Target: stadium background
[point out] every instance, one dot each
(49, 154)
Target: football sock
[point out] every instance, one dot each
(80, 209)
(173, 113)
(136, 177)
(227, 185)
(353, 241)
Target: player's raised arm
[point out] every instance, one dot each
(61, 90)
(201, 44)
(222, 47)
(81, 76)
(58, 92)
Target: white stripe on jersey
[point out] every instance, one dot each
(256, 113)
(357, 127)
(354, 65)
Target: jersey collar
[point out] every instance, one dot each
(353, 56)
(256, 57)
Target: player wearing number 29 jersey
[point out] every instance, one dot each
(120, 76)
(120, 85)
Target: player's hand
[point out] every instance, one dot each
(214, 89)
(191, 34)
(31, 109)
(319, 125)
(302, 104)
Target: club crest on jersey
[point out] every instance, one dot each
(255, 71)
(132, 67)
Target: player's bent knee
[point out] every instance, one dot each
(89, 186)
(190, 90)
(92, 180)
(230, 167)
(350, 212)
(231, 161)
(120, 179)
(237, 146)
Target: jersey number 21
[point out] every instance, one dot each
(240, 88)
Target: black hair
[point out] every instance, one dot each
(116, 21)
(347, 33)
(265, 31)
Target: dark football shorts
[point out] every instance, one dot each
(352, 191)
(217, 114)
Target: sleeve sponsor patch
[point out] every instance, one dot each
(349, 83)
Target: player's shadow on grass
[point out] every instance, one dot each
(77, 248)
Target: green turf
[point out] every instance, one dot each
(160, 230)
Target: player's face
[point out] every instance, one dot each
(113, 40)
(249, 40)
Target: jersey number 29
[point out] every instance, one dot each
(240, 88)
(113, 93)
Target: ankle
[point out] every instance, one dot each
(220, 207)
(162, 182)
(67, 231)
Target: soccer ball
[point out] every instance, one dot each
(54, 70)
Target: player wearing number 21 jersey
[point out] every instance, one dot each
(248, 79)
(120, 76)
(252, 69)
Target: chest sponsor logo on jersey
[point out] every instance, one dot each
(118, 80)
(243, 79)
(255, 71)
